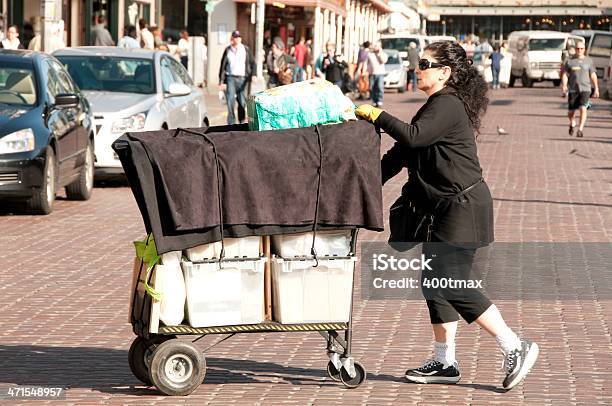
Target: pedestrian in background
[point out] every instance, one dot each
(280, 65)
(445, 187)
(413, 61)
(496, 58)
(363, 77)
(12, 39)
(145, 37)
(578, 80)
(376, 69)
(235, 74)
(129, 41)
(101, 37)
(300, 53)
(333, 65)
(182, 49)
(505, 65)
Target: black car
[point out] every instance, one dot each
(46, 132)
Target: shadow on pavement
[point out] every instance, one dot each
(106, 370)
(552, 202)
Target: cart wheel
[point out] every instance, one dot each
(332, 372)
(177, 367)
(139, 356)
(352, 383)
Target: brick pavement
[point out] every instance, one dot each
(63, 289)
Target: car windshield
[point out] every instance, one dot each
(401, 44)
(546, 44)
(110, 73)
(17, 85)
(393, 59)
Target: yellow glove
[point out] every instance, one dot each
(368, 112)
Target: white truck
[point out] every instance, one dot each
(537, 55)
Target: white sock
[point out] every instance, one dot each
(508, 341)
(445, 353)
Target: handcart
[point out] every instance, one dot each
(177, 366)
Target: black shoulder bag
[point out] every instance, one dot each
(411, 225)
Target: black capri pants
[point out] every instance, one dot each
(448, 300)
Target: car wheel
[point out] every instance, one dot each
(527, 82)
(43, 198)
(401, 89)
(512, 79)
(81, 188)
(557, 82)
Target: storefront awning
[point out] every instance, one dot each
(330, 5)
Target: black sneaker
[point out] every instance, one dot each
(571, 130)
(579, 134)
(518, 363)
(433, 371)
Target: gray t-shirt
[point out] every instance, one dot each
(579, 73)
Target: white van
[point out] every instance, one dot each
(401, 42)
(537, 55)
(606, 86)
(598, 47)
(438, 38)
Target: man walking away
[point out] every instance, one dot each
(376, 68)
(578, 79)
(413, 59)
(496, 58)
(300, 53)
(362, 70)
(101, 37)
(128, 41)
(182, 49)
(147, 41)
(237, 68)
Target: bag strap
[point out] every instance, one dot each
(459, 194)
(313, 252)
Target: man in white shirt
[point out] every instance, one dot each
(146, 39)
(12, 39)
(237, 68)
(376, 68)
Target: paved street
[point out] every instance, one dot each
(64, 286)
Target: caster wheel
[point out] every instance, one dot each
(359, 378)
(177, 367)
(139, 356)
(332, 372)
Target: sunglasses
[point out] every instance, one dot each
(425, 64)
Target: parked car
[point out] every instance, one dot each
(132, 90)
(46, 132)
(598, 47)
(396, 76)
(537, 55)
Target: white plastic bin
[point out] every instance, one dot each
(245, 247)
(170, 283)
(327, 243)
(305, 294)
(228, 295)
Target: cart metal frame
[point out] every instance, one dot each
(148, 347)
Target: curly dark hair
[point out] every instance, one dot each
(465, 79)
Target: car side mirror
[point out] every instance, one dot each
(178, 89)
(67, 100)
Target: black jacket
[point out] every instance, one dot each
(438, 148)
(249, 68)
(334, 69)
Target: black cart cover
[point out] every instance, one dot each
(270, 182)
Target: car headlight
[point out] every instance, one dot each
(19, 141)
(534, 65)
(135, 122)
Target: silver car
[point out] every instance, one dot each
(132, 90)
(396, 75)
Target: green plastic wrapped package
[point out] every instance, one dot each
(300, 104)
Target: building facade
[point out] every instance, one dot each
(495, 19)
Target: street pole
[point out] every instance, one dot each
(259, 51)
